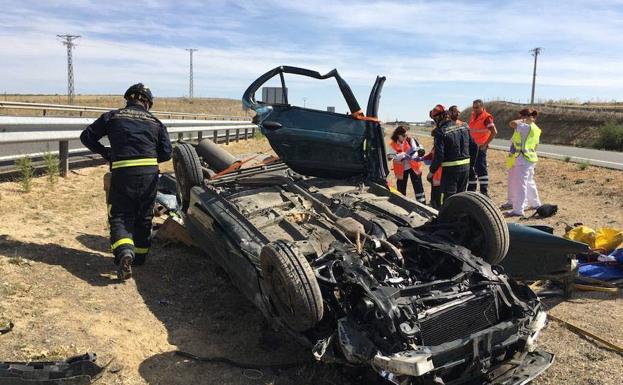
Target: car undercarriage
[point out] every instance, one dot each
(363, 276)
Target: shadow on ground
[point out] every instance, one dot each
(94, 242)
(206, 315)
(92, 268)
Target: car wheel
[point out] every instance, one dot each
(188, 172)
(480, 225)
(292, 285)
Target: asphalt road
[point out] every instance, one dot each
(609, 159)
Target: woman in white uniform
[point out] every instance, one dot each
(521, 160)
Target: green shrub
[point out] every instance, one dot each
(610, 137)
(24, 165)
(583, 166)
(51, 167)
(567, 159)
(258, 134)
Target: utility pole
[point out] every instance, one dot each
(190, 85)
(535, 52)
(68, 41)
(304, 102)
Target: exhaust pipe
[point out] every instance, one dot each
(217, 158)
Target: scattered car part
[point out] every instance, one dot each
(536, 253)
(187, 172)
(78, 370)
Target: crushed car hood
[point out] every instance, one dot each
(320, 143)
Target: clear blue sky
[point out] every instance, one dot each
(431, 51)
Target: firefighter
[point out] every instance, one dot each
(405, 156)
(138, 142)
(451, 147)
(482, 129)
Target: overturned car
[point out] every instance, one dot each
(364, 276)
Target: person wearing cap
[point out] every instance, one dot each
(138, 142)
(451, 147)
(405, 155)
(482, 129)
(521, 160)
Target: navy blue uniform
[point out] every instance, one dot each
(452, 143)
(138, 142)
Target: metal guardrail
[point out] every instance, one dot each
(16, 130)
(45, 107)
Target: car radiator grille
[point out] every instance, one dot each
(459, 321)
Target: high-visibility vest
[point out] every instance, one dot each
(527, 148)
(399, 168)
(480, 133)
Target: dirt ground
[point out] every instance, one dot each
(56, 286)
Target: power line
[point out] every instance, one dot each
(535, 52)
(190, 84)
(69, 43)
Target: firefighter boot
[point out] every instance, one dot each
(124, 271)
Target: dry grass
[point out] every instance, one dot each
(213, 106)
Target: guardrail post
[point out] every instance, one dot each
(227, 136)
(215, 136)
(44, 111)
(237, 135)
(253, 132)
(180, 136)
(199, 136)
(63, 157)
(246, 133)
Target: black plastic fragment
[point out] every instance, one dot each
(78, 370)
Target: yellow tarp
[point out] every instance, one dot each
(604, 238)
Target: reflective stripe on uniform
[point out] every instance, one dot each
(455, 163)
(134, 163)
(122, 241)
(141, 250)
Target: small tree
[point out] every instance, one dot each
(51, 166)
(24, 165)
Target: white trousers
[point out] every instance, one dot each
(522, 191)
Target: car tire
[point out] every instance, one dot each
(292, 285)
(188, 172)
(482, 227)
